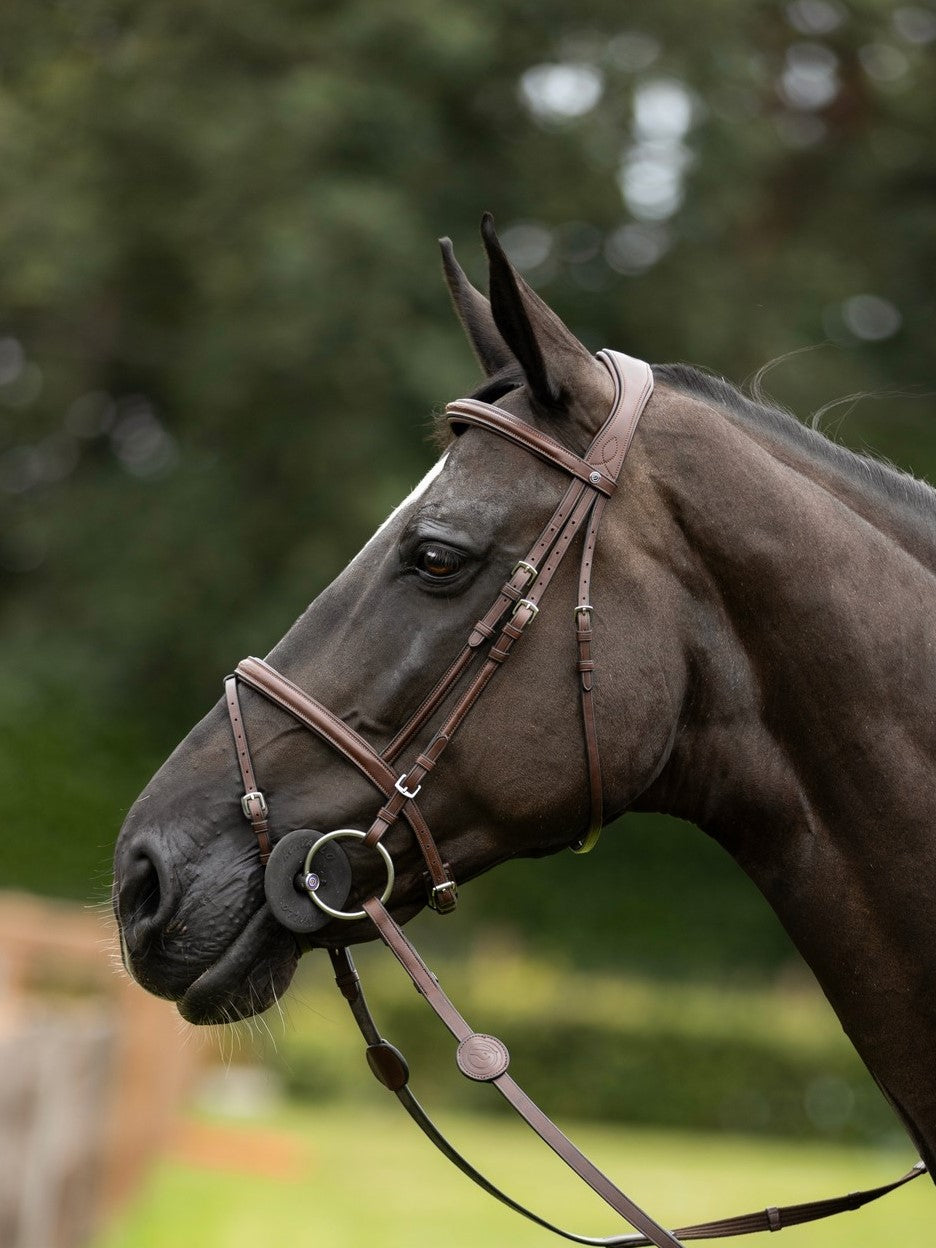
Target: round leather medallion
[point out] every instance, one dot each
(482, 1057)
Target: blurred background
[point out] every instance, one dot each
(217, 267)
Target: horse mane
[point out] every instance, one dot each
(874, 474)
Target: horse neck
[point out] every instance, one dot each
(809, 730)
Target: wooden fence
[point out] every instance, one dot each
(93, 1072)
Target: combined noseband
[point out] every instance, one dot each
(308, 876)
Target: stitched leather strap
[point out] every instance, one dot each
(486, 416)
(428, 986)
(253, 803)
(584, 612)
(390, 1067)
(263, 678)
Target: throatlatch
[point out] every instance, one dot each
(308, 878)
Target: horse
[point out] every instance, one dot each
(755, 656)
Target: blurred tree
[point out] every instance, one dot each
(222, 328)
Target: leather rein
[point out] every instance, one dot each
(308, 877)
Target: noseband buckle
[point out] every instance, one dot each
(254, 805)
(531, 572)
(440, 903)
(401, 788)
(530, 606)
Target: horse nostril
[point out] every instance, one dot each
(144, 902)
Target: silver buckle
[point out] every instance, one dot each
(525, 602)
(446, 886)
(254, 796)
(401, 788)
(584, 607)
(528, 568)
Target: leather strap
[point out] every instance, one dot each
(486, 416)
(263, 678)
(253, 803)
(390, 1068)
(584, 612)
(428, 986)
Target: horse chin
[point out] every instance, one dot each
(250, 976)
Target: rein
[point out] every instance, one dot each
(308, 876)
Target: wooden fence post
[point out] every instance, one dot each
(93, 1073)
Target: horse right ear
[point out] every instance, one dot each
(474, 312)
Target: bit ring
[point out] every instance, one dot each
(353, 834)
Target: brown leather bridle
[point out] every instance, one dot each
(594, 479)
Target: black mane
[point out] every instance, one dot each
(875, 475)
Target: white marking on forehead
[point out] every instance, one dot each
(420, 489)
(417, 493)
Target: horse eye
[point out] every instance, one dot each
(438, 562)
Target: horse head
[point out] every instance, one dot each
(189, 883)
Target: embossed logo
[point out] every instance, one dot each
(609, 449)
(482, 1057)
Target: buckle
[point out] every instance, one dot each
(435, 903)
(525, 602)
(528, 568)
(254, 796)
(583, 608)
(401, 788)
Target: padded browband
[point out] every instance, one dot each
(601, 465)
(465, 412)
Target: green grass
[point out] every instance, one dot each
(367, 1177)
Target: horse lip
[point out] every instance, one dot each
(210, 999)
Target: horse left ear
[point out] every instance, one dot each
(474, 312)
(560, 372)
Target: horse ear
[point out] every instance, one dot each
(474, 312)
(557, 367)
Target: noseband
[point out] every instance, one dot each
(308, 876)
